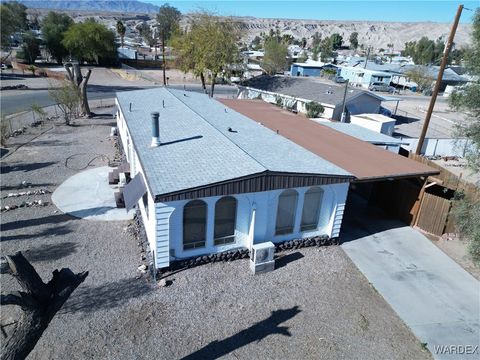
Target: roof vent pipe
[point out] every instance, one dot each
(155, 129)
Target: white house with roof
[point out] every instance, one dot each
(208, 179)
(364, 77)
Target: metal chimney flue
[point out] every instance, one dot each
(155, 129)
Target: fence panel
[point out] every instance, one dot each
(433, 214)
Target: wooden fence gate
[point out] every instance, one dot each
(433, 214)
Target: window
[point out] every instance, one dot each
(311, 209)
(145, 203)
(287, 206)
(194, 224)
(225, 217)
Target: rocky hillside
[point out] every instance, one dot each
(370, 33)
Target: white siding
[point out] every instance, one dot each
(331, 213)
(149, 221)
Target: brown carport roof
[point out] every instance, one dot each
(363, 160)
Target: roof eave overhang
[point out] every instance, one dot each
(264, 181)
(395, 176)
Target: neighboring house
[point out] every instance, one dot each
(208, 179)
(218, 180)
(127, 53)
(297, 91)
(398, 73)
(364, 77)
(375, 138)
(310, 68)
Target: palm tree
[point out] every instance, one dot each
(121, 30)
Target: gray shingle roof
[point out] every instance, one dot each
(197, 147)
(305, 88)
(362, 133)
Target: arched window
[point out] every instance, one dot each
(287, 207)
(311, 209)
(225, 218)
(194, 224)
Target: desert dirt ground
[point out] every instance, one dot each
(315, 305)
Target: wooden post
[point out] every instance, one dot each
(439, 80)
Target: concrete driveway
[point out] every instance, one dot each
(433, 295)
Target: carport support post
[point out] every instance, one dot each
(448, 46)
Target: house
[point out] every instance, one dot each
(127, 53)
(310, 68)
(212, 178)
(296, 92)
(364, 77)
(397, 72)
(208, 178)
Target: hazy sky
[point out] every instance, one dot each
(387, 10)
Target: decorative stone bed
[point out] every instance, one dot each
(243, 253)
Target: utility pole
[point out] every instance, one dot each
(343, 117)
(366, 60)
(448, 46)
(163, 58)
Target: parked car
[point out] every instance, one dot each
(379, 86)
(4, 66)
(340, 80)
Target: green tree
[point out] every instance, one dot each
(326, 49)
(421, 76)
(30, 47)
(336, 41)
(54, 26)
(316, 39)
(90, 41)
(210, 44)
(168, 18)
(467, 210)
(287, 39)
(121, 31)
(256, 43)
(67, 97)
(275, 57)
(353, 40)
(147, 34)
(303, 42)
(314, 109)
(13, 18)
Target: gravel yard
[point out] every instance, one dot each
(315, 305)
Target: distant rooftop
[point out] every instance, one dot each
(448, 75)
(306, 88)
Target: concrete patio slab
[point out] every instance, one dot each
(436, 298)
(87, 195)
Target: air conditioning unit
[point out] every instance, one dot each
(261, 257)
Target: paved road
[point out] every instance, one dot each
(13, 101)
(435, 297)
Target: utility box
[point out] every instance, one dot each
(261, 258)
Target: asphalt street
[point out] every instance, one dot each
(13, 101)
